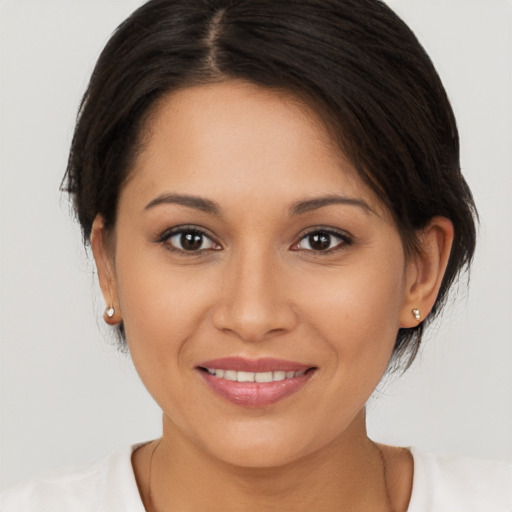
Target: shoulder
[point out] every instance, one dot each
(104, 485)
(460, 484)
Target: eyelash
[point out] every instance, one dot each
(164, 239)
(167, 235)
(345, 240)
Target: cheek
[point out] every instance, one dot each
(355, 318)
(161, 306)
(356, 310)
(162, 312)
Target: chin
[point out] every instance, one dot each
(257, 456)
(262, 446)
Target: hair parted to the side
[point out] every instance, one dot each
(354, 61)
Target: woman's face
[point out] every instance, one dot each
(246, 245)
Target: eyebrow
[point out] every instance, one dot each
(298, 208)
(309, 205)
(195, 202)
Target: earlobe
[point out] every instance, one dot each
(425, 271)
(103, 256)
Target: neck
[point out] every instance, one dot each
(348, 474)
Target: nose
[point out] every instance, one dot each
(253, 302)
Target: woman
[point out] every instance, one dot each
(274, 202)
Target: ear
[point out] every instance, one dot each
(425, 271)
(103, 254)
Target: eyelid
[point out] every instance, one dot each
(164, 237)
(346, 238)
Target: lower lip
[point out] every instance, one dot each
(255, 394)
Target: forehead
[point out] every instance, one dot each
(236, 138)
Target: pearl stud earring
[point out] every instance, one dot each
(417, 314)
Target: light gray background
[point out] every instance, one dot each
(66, 396)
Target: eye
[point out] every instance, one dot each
(322, 241)
(188, 240)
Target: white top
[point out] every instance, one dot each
(440, 484)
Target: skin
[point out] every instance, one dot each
(257, 289)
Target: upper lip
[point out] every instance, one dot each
(265, 364)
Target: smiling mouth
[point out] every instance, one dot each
(255, 383)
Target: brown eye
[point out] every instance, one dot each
(190, 240)
(322, 241)
(319, 241)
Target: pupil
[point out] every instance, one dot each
(191, 241)
(320, 241)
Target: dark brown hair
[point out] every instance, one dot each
(354, 61)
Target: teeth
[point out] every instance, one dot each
(240, 376)
(263, 377)
(230, 375)
(245, 377)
